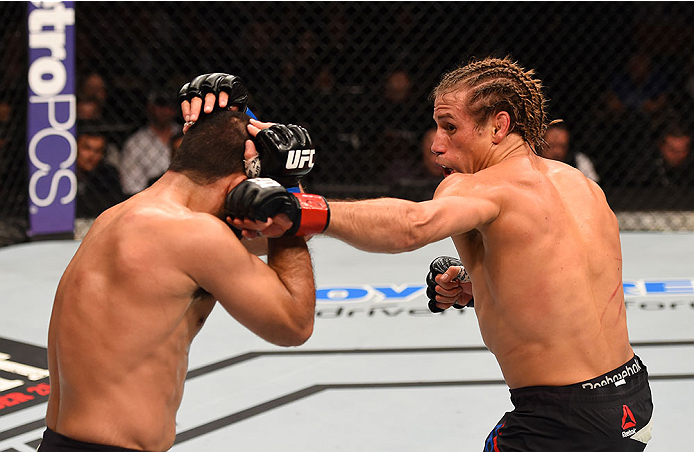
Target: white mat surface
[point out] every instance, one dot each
(380, 373)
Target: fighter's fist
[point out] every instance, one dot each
(262, 198)
(216, 83)
(286, 153)
(449, 289)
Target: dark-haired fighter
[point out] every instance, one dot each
(141, 285)
(542, 250)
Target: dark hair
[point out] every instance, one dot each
(91, 127)
(493, 85)
(672, 128)
(162, 98)
(213, 147)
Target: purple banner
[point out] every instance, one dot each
(51, 145)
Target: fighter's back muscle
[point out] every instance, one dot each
(124, 311)
(130, 261)
(124, 291)
(549, 260)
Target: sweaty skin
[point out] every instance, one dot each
(538, 239)
(137, 292)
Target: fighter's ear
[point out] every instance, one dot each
(501, 123)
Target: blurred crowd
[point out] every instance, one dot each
(360, 84)
(396, 142)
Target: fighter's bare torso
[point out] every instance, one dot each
(546, 272)
(122, 323)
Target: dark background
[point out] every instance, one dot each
(325, 65)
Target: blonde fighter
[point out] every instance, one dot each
(542, 249)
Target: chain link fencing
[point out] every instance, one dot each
(13, 168)
(358, 76)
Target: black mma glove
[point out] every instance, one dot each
(286, 153)
(216, 83)
(437, 267)
(259, 199)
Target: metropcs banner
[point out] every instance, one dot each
(51, 145)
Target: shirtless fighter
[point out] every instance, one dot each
(146, 277)
(542, 250)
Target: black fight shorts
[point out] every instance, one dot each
(609, 413)
(55, 442)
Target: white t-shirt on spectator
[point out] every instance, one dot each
(144, 156)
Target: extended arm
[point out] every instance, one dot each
(389, 225)
(384, 225)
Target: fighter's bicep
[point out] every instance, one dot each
(463, 204)
(222, 266)
(461, 214)
(244, 284)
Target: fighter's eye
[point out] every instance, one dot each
(450, 127)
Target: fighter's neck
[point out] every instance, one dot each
(512, 145)
(180, 189)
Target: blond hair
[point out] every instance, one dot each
(493, 85)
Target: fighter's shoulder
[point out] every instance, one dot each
(568, 178)
(568, 172)
(171, 224)
(483, 183)
(452, 184)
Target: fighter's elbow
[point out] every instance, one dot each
(303, 333)
(296, 334)
(295, 339)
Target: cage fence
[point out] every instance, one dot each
(358, 75)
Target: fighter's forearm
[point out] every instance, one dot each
(257, 246)
(385, 225)
(290, 259)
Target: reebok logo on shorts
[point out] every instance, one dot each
(627, 418)
(628, 422)
(617, 378)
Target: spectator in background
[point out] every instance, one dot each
(617, 141)
(94, 87)
(13, 175)
(329, 117)
(673, 164)
(396, 119)
(415, 177)
(682, 96)
(5, 112)
(88, 109)
(628, 115)
(430, 168)
(558, 138)
(175, 144)
(93, 106)
(399, 114)
(147, 153)
(98, 183)
(93, 100)
(639, 89)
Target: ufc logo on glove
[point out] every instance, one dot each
(300, 158)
